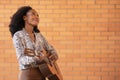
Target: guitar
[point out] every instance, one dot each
(49, 68)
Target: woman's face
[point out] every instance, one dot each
(31, 18)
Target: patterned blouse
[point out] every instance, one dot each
(22, 40)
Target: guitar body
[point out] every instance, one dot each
(51, 71)
(49, 68)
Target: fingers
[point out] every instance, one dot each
(53, 57)
(29, 51)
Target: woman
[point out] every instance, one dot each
(29, 43)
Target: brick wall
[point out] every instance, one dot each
(86, 34)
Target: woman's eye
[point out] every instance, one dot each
(33, 13)
(37, 15)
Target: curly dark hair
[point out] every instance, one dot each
(17, 23)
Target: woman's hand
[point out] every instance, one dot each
(29, 52)
(53, 57)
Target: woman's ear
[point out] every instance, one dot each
(24, 18)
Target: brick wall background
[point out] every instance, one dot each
(86, 34)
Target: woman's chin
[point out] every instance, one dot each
(35, 25)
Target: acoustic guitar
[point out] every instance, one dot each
(49, 68)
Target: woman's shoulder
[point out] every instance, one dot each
(39, 34)
(19, 33)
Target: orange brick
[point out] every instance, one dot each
(88, 2)
(99, 47)
(108, 42)
(74, 20)
(108, 6)
(93, 60)
(93, 69)
(71, 2)
(73, 64)
(117, 69)
(117, 60)
(100, 64)
(5, 2)
(102, 2)
(101, 37)
(114, 38)
(73, 56)
(52, 33)
(117, 73)
(66, 33)
(93, 6)
(31, 2)
(64, 24)
(102, 11)
(82, 6)
(46, 11)
(80, 69)
(80, 78)
(93, 33)
(114, 64)
(4, 11)
(77, 29)
(61, 20)
(94, 78)
(86, 38)
(101, 74)
(102, 28)
(114, 20)
(101, 20)
(110, 15)
(87, 55)
(74, 11)
(114, 2)
(108, 78)
(114, 11)
(87, 20)
(117, 33)
(59, 11)
(107, 33)
(66, 6)
(79, 60)
(80, 51)
(57, 2)
(117, 78)
(87, 73)
(94, 15)
(114, 29)
(108, 69)
(90, 11)
(17, 2)
(114, 47)
(85, 28)
(118, 6)
(107, 51)
(94, 51)
(87, 64)
(66, 15)
(80, 16)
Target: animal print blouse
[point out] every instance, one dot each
(22, 40)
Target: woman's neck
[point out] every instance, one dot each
(29, 28)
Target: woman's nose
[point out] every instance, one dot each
(36, 16)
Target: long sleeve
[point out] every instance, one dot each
(48, 47)
(22, 59)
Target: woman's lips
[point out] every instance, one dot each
(36, 20)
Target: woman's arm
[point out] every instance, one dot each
(49, 48)
(22, 58)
